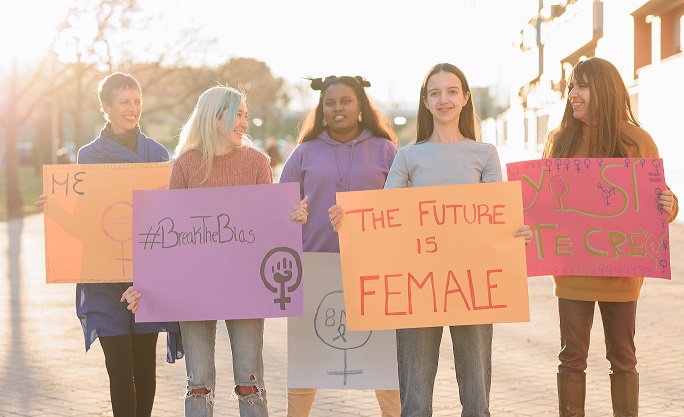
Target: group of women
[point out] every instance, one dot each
(346, 144)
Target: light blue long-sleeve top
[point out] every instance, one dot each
(427, 164)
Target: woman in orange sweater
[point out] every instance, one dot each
(598, 122)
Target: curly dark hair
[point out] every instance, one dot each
(373, 119)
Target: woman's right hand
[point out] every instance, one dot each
(40, 203)
(336, 213)
(131, 296)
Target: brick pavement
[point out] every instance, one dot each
(45, 372)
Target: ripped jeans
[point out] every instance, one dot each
(246, 344)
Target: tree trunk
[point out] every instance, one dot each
(15, 206)
(78, 109)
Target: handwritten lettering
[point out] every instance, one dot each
(76, 181)
(403, 292)
(206, 230)
(430, 243)
(377, 219)
(440, 214)
(596, 241)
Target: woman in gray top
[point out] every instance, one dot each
(446, 152)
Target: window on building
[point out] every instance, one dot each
(642, 42)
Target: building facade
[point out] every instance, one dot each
(644, 39)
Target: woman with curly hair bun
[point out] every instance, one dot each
(345, 144)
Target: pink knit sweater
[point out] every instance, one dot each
(237, 167)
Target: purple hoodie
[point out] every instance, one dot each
(323, 167)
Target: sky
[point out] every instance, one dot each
(392, 43)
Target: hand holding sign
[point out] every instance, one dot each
(666, 200)
(336, 213)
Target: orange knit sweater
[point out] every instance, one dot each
(585, 288)
(238, 167)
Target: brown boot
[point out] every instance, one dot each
(571, 394)
(624, 391)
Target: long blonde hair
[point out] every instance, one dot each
(199, 131)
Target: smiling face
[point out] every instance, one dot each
(445, 97)
(341, 109)
(125, 109)
(227, 139)
(579, 98)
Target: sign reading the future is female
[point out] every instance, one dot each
(593, 216)
(433, 256)
(217, 253)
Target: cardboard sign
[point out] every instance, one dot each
(217, 253)
(321, 351)
(88, 219)
(595, 217)
(433, 256)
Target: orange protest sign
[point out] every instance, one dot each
(433, 256)
(88, 219)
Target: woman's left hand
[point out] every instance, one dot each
(525, 232)
(300, 214)
(666, 200)
(335, 213)
(131, 296)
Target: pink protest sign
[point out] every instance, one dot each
(594, 216)
(217, 253)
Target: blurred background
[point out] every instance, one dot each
(517, 55)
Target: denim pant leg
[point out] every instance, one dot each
(247, 345)
(199, 340)
(472, 347)
(417, 357)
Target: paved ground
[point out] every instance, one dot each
(45, 372)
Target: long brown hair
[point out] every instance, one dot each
(466, 121)
(373, 119)
(609, 108)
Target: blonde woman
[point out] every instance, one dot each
(214, 152)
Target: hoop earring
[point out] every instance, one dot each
(324, 123)
(360, 117)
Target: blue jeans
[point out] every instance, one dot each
(246, 344)
(418, 355)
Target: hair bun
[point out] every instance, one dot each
(316, 84)
(364, 82)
